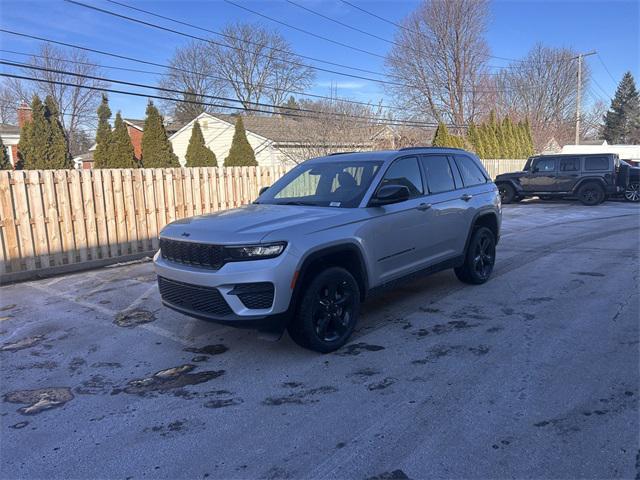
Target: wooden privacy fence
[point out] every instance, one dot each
(54, 218)
(57, 220)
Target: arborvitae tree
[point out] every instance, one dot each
(441, 137)
(622, 121)
(121, 153)
(240, 154)
(33, 137)
(58, 156)
(511, 142)
(530, 150)
(5, 163)
(472, 138)
(102, 153)
(289, 105)
(198, 155)
(43, 144)
(156, 147)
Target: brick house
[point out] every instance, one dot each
(10, 134)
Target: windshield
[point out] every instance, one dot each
(326, 184)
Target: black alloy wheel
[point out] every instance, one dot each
(327, 310)
(333, 309)
(507, 193)
(484, 256)
(591, 194)
(480, 258)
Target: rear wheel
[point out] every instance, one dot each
(507, 193)
(591, 194)
(327, 312)
(479, 259)
(632, 192)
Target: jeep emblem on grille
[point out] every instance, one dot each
(185, 234)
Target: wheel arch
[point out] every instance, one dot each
(508, 181)
(484, 218)
(346, 255)
(585, 180)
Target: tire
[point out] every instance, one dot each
(591, 194)
(507, 193)
(517, 199)
(328, 311)
(479, 258)
(632, 193)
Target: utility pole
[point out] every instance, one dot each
(579, 96)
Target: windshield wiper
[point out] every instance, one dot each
(297, 203)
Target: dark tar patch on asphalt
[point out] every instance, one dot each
(169, 379)
(131, 318)
(40, 399)
(358, 348)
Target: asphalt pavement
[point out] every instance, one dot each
(532, 375)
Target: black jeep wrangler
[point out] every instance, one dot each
(591, 178)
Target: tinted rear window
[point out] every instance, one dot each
(471, 173)
(439, 176)
(596, 163)
(569, 164)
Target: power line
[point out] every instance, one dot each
(213, 42)
(356, 119)
(607, 70)
(226, 35)
(307, 32)
(346, 25)
(403, 27)
(146, 62)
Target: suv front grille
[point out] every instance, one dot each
(196, 254)
(254, 295)
(206, 300)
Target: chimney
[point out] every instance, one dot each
(24, 114)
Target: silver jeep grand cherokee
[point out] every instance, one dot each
(331, 231)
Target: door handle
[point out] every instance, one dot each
(424, 206)
(466, 197)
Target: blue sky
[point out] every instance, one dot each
(610, 27)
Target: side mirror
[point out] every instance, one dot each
(262, 190)
(390, 194)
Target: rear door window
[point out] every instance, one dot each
(471, 173)
(545, 165)
(569, 164)
(438, 173)
(596, 163)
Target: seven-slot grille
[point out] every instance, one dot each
(196, 254)
(207, 300)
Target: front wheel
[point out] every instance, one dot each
(327, 312)
(479, 258)
(507, 193)
(591, 194)
(632, 192)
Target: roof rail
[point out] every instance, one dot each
(420, 148)
(339, 153)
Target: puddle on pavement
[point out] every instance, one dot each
(224, 402)
(208, 349)
(170, 379)
(358, 348)
(23, 343)
(40, 399)
(131, 318)
(381, 385)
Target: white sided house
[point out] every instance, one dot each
(275, 140)
(630, 153)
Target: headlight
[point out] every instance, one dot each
(256, 252)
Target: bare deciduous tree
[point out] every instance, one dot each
(440, 57)
(76, 104)
(543, 88)
(193, 71)
(259, 64)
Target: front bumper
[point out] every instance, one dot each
(225, 284)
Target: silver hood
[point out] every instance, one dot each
(252, 223)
